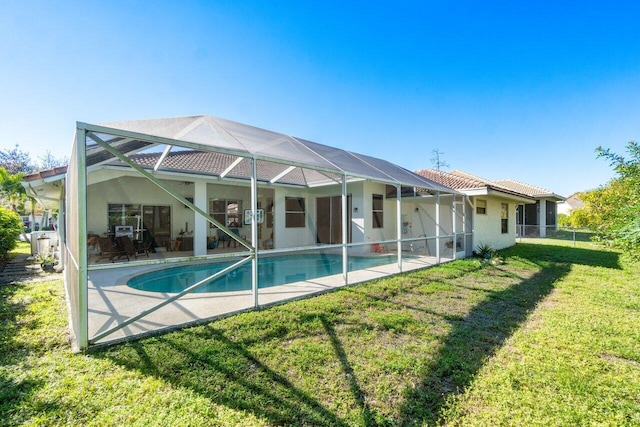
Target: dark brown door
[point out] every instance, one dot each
(329, 219)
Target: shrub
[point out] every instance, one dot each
(563, 220)
(10, 229)
(485, 251)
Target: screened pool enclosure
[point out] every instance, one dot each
(172, 222)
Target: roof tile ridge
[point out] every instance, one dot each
(540, 190)
(468, 175)
(477, 180)
(460, 179)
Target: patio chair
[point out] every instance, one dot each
(109, 249)
(224, 237)
(128, 247)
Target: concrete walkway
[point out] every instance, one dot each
(22, 268)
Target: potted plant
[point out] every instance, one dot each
(46, 261)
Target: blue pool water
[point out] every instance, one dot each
(272, 271)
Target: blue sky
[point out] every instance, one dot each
(520, 90)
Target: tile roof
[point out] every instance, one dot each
(459, 180)
(212, 163)
(451, 180)
(528, 189)
(45, 174)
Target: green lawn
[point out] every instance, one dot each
(550, 337)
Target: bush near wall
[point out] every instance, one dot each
(10, 229)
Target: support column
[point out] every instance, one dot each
(81, 241)
(201, 225)
(453, 226)
(438, 227)
(254, 231)
(399, 224)
(542, 215)
(464, 225)
(62, 226)
(345, 231)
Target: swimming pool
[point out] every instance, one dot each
(272, 271)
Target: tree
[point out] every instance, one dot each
(613, 210)
(12, 193)
(16, 161)
(49, 161)
(10, 229)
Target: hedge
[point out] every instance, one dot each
(10, 229)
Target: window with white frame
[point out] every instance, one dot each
(481, 207)
(504, 217)
(295, 213)
(226, 212)
(377, 211)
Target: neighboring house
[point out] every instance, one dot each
(493, 206)
(571, 203)
(539, 219)
(204, 191)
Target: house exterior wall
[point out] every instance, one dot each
(113, 187)
(419, 214)
(299, 236)
(421, 222)
(487, 227)
(134, 190)
(446, 214)
(358, 229)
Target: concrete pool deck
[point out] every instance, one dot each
(111, 302)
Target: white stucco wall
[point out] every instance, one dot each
(487, 227)
(109, 186)
(114, 186)
(361, 222)
(422, 222)
(134, 190)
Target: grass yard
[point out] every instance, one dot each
(550, 337)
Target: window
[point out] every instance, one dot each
(377, 211)
(123, 214)
(481, 207)
(146, 221)
(294, 212)
(504, 217)
(233, 213)
(226, 212)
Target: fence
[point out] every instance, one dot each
(536, 230)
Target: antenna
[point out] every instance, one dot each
(437, 161)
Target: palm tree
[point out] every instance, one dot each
(12, 193)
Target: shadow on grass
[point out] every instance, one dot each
(222, 367)
(347, 370)
(13, 352)
(205, 360)
(484, 330)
